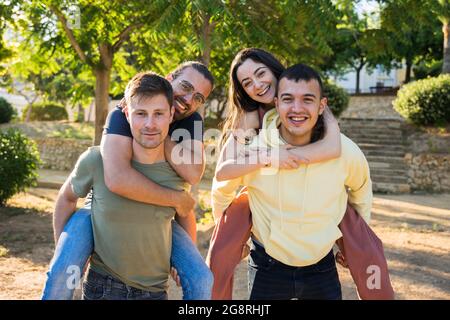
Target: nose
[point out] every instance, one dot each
(297, 106)
(150, 122)
(188, 98)
(258, 84)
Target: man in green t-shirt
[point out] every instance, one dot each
(132, 240)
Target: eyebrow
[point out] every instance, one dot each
(305, 95)
(187, 83)
(154, 110)
(255, 72)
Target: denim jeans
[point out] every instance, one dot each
(270, 279)
(76, 244)
(105, 287)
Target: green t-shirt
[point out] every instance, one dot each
(132, 240)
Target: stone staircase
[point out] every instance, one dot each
(382, 142)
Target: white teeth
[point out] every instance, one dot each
(298, 118)
(181, 106)
(264, 92)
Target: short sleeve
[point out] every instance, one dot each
(82, 176)
(190, 128)
(117, 123)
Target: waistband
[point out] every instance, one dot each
(256, 245)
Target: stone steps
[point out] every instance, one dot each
(391, 187)
(377, 146)
(381, 153)
(390, 172)
(382, 142)
(386, 178)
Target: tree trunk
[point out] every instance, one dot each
(358, 76)
(207, 30)
(408, 71)
(102, 80)
(446, 64)
(80, 113)
(357, 90)
(205, 34)
(28, 116)
(30, 106)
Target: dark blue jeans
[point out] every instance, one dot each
(270, 279)
(101, 287)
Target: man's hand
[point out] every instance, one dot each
(175, 276)
(186, 204)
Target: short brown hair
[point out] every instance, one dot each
(148, 84)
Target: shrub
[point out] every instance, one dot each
(338, 98)
(47, 111)
(19, 160)
(425, 70)
(425, 102)
(6, 111)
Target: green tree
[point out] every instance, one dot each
(5, 17)
(441, 9)
(356, 43)
(413, 35)
(94, 32)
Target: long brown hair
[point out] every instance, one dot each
(238, 100)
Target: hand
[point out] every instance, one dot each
(185, 204)
(341, 259)
(175, 276)
(282, 158)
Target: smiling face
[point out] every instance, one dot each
(299, 105)
(149, 119)
(258, 81)
(190, 91)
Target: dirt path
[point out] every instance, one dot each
(415, 231)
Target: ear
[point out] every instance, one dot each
(323, 103)
(169, 77)
(126, 111)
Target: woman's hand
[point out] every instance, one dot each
(283, 158)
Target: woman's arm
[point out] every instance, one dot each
(237, 159)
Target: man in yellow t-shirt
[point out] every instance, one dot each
(296, 213)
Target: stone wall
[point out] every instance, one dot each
(428, 159)
(428, 172)
(60, 154)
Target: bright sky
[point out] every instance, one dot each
(366, 6)
(369, 6)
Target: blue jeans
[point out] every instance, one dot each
(76, 245)
(101, 287)
(270, 279)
